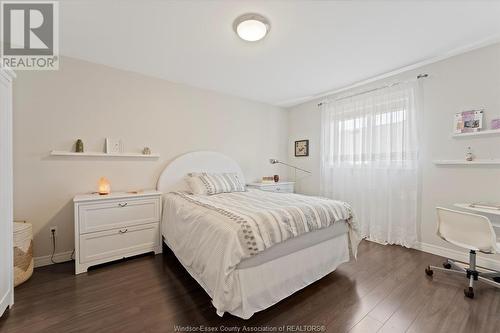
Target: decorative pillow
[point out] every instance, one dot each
(213, 183)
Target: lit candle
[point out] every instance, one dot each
(104, 186)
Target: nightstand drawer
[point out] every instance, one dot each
(284, 188)
(120, 213)
(117, 243)
(278, 188)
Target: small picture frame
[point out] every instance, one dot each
(301, 148)
(114, 146)
(468, 121)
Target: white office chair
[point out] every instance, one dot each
(470, 231)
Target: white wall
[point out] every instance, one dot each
(467, 81)
(304, 122)
(88, 101)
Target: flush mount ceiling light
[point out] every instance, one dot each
(251, 27)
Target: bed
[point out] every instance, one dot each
(241, 247)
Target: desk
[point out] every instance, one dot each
(492, 214)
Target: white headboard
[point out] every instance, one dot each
(172, 177)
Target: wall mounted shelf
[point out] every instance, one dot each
(480, 133)
(98, 154)
(462, 162)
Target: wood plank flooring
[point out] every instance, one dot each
(386, 290)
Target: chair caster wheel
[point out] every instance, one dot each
(429, 271)
(446, 265)
(469, 292)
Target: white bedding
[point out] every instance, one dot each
(202, 232)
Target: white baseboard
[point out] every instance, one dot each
(58, 257)
(482, 260)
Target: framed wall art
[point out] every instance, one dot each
(301, 148)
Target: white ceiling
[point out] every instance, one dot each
(313, 46)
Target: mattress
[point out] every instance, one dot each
(295, 244)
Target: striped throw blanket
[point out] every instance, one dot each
(267, 218)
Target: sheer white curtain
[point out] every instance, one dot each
(369, 158)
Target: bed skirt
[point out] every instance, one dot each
(270, 282)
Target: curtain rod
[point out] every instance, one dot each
(419, 76)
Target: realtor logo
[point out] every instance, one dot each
(29, 35)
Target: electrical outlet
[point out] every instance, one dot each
(53, 231)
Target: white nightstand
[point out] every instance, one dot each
(284, 187)
(115, 226)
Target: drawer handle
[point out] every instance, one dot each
(278, 189)
(122, 204)
(123, 231)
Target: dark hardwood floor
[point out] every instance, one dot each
(386, 290)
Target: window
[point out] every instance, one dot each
(371, 130)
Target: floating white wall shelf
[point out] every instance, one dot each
(462, 162)
(98, 154)
(480, 133)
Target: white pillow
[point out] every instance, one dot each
(213, 183)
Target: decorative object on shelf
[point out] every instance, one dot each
(495, 123)
(23, 252)
(146, 151)
(268, 179)
(276, 178)
(469, 121)
(114, 146)
(104, 186)
(79, 146)
(301, 148)
(469, 156)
